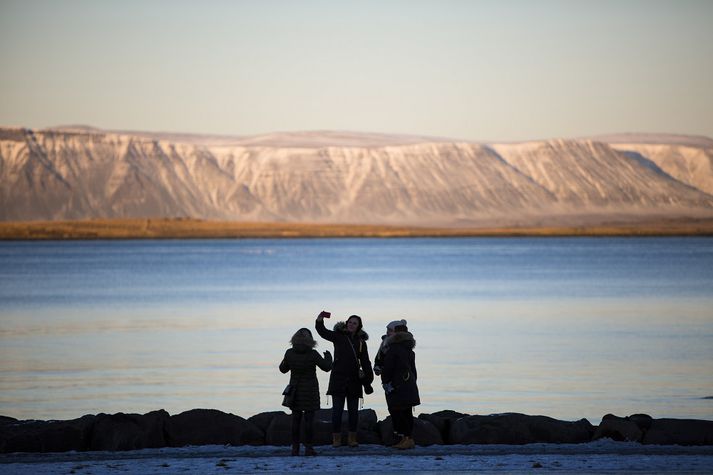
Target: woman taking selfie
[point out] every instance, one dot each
(351, 371)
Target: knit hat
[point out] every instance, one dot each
(396, 323)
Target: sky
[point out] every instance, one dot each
(467, 69)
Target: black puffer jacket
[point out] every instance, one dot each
(344, 380)
(301, 360)
(399, 370)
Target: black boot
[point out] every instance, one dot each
(309, 450)
(295, 449)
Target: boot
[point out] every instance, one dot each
(353, 439)
(295, 449)
(337, 439)
(309, 450)
(405, 443)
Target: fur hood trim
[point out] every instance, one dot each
(401, 337)
(304, 341)
(341, 327)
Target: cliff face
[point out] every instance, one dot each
(76, 174)
(587, 174)
(688, 164)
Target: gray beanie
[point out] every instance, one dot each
(396, 323)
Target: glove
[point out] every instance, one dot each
(388, 388)
(377, 370)
(327, 355)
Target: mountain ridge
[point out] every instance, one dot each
(79, 173)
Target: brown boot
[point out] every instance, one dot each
(337, 439)
(309, 451)
(405, 443)
(295, 449)
(353, 439)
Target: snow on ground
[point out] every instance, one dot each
(593, 458)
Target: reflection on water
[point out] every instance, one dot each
(563, 327)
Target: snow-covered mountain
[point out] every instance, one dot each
(344, 177)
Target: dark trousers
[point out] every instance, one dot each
(309, 426)
(403, 420)
(338, 407)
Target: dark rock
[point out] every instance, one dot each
(619, 429)
(46, 436)
(128, 431)
(368, 428)
(279, 431)
(262, 420)
(443, 420)
(519, 429)
(210, 427)
(424, 433)
(4, 420)
(204, 426)
(679, 432)
(643, 421)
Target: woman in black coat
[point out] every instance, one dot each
(301, 361)
(398, 377)
(351, 358)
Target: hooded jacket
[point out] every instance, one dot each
(399, 370)
(302, 360)
(344, 380)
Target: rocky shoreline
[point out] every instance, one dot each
(157, 429)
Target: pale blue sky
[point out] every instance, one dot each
(489, 70)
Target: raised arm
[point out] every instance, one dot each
(322, 330)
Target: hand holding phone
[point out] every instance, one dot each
(324, 314)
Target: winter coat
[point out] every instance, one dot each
(301, 361)
(399, 370)
(344, 380)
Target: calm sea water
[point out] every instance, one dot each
(570, 327)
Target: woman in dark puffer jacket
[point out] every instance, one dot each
(301, 360)
(398, 377)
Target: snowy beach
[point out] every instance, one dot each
(604, 456)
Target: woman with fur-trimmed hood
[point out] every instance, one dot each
(384, 347)
(398, 378)
(302, 361)
(350, 356)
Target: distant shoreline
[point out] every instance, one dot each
(186, 228)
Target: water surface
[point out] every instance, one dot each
(565, 327)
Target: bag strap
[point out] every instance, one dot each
(354, 351)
